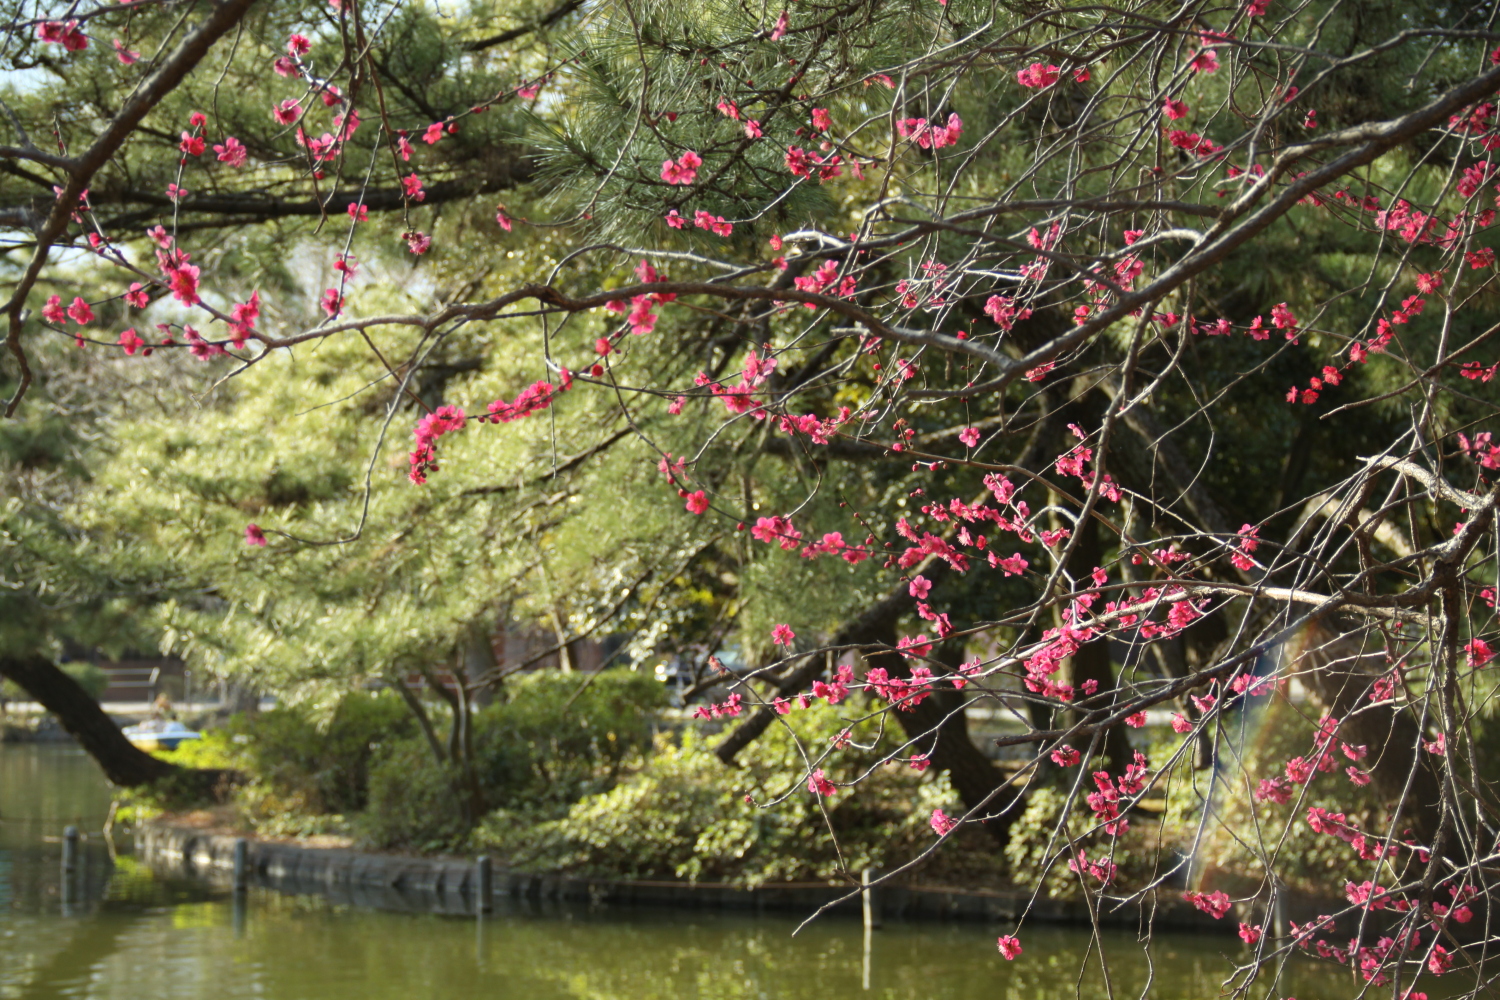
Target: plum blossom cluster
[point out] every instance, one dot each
(1302, 770)
(928, 135)
(449, 419)
(423, 458)
(1110, 792)
(1375, 961)
(640, 315)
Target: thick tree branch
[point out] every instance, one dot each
(81, 169)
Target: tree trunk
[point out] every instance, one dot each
(123, 763)
(1091, 662)
(878, 619)
(1341, 667)
(939, 728)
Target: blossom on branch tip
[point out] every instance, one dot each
(683, 170)
(914, 646)
(641, 319)
(1204, 61)
(243, 317)
(80, 312)
(1038, 75)
(1010, 947)
(1215, 904)
(254, 536)
(942, 823)
(782, 635)
(1273, 790)
(67, 35)
(231, 151)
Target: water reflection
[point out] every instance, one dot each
(135, 935)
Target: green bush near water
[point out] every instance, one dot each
(548, 743)
(684, 815)
(583, 779)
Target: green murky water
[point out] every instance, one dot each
(122, 933)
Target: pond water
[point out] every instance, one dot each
(122, 932)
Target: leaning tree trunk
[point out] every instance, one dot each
(939, 728)
(1341, 668)
(123, 763)
(1092, 661)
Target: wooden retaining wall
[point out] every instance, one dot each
(437, 885)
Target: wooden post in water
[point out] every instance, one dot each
(241, 865)
(869, 902)
(69, 869)
(484, 886)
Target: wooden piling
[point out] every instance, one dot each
(241, 865)
(70, 850)
(484, 886)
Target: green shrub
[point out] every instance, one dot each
(300, 776)
(548, 743)
(321, 768)
(414, 802)
(684, 814)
